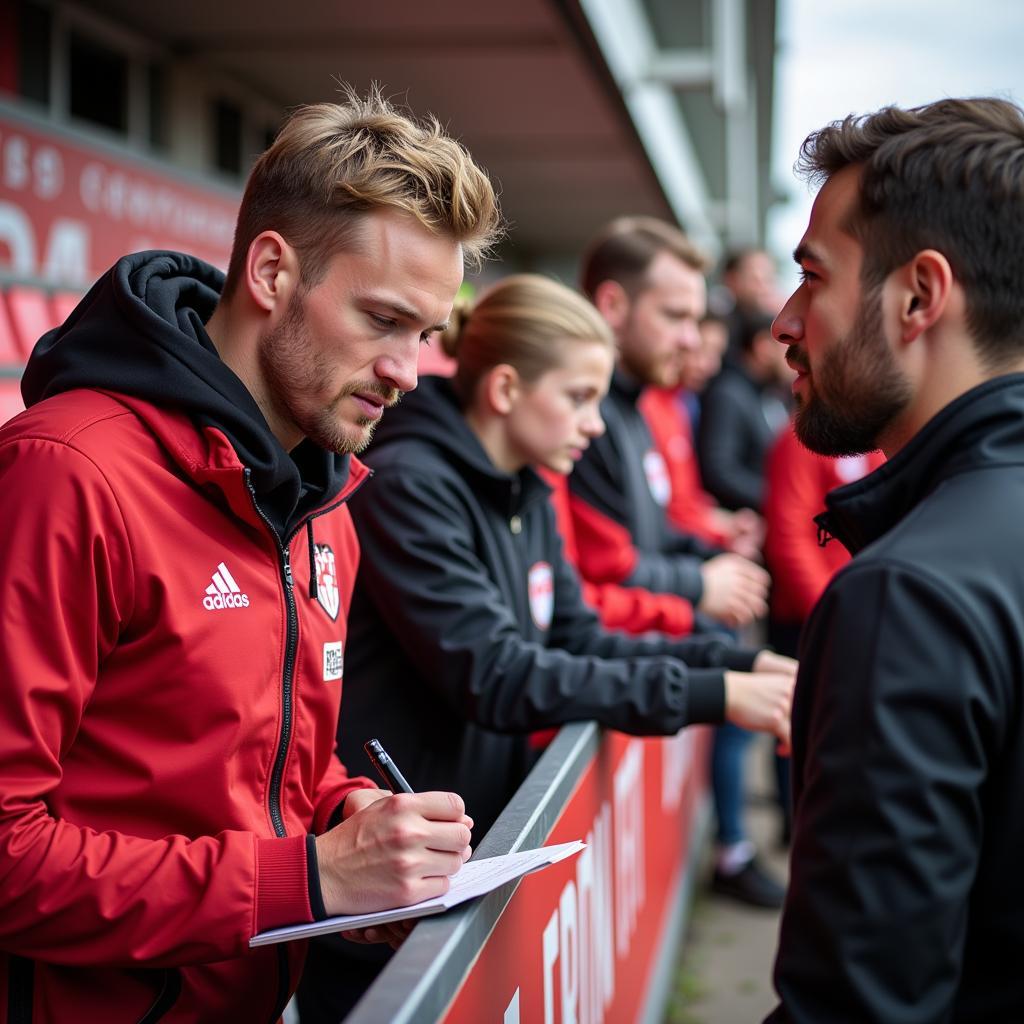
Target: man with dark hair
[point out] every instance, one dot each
(176, 563)
(906, 900)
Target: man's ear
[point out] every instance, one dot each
(926, 284)
(501, 387)
(613, 304)
(271, 272)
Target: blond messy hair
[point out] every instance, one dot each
(332, 163)
(524, 320)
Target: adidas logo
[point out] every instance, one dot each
(224, 592)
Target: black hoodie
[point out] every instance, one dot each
(140, 331)
(450, 663)
(906, 897)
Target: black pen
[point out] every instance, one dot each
(387, 768)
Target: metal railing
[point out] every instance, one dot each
(422, 978)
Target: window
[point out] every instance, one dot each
(98, 83)
(34, 28)
(157, 81)
(227, 137)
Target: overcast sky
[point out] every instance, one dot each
(841, 56)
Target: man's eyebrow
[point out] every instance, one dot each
(804, 252)
(408, 313)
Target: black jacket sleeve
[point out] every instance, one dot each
(675, 568)
(726, 437)
(421, 572)
(578, 630)
(893, 719)
(678, 574)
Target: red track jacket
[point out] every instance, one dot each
(167, 727)
(797, 483)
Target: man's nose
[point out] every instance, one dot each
(788, 326)
(398, 367)
(688, 338)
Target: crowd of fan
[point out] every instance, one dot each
(670, 493)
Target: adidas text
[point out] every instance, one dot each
(224, 592)
(226, 601)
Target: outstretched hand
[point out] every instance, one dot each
(735, 590)
(762, 701)
(769, 661)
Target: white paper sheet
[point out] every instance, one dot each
(476, 878)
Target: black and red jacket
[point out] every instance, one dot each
(171, 656)
(619, 493)
(631, 609)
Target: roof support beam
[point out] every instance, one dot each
(624, 35)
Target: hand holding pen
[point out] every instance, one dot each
(392, 852)
(387, 768)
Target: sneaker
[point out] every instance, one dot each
(750, 885)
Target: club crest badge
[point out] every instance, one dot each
(657, 477)
(327, 580)
(541, 588)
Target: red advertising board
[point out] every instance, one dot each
(578, 942)
(69, 209)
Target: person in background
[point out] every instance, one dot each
(176, 559)
(468, 630)
(742, 412)
(749, 288)
(906, 900)
(647, 280)
(671, 415)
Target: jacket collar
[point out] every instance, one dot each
(207, 456)
(983, 427)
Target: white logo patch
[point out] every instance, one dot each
(541, 589)
(334, 661)
(327, 581)
(224, 592)
(657, 477)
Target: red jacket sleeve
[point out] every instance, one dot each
(631, 609)
(70, 893)
(797, 483)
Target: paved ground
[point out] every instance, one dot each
(724, 972)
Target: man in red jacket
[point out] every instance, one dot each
(176, 560)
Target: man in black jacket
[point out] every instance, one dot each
(906, 900)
